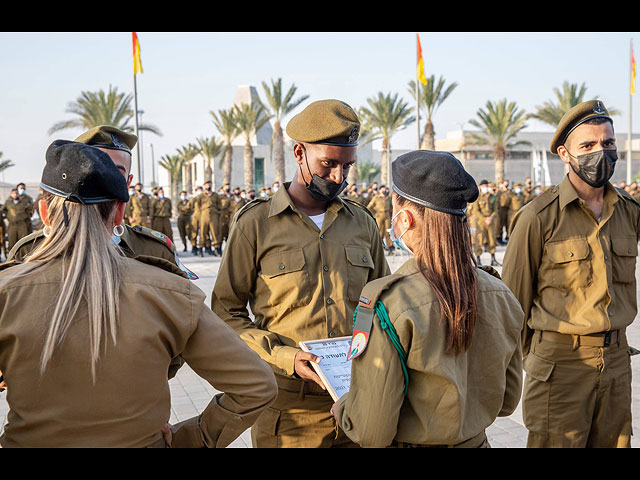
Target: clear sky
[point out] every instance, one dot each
(188, 74)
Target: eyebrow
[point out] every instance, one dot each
(587, 142)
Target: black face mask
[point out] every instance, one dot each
(596, 168)
(321, 189)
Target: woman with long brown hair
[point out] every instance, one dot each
(436, 346)
(87, 335)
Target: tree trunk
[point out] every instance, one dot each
(429, 138)
(228, 155)
(208, 172)
(249, 174)
(499, 157)
(278, 153)
(384, 167)
(175, 193)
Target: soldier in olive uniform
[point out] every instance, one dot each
(161, 213)
(140, 208)
(379, 207)
(237, 202)
(432, 365)
(503, 200)
(18, 213)
(571, 263)
(208, 206)
(517, 202)
(22, 194)
(300, 259)
(484, 211)
(225, 215)
(185, 211)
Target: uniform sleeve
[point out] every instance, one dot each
(216, 353)
(235, 282)
(521, 263)
(513, 390)
(381, 267)
(376, 374)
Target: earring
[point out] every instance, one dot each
(118, 230)
(45, 232)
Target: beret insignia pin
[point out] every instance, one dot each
(116, 141)
(354, 135)
(598, 108)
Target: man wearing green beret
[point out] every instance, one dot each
(300, 259)
(571, 262)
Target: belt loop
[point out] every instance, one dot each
(576, 341)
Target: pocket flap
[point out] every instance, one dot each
(538, 367)
(624, 246)
(359, 256)
(568, 250)
(282, 262)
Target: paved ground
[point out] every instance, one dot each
(190, 394)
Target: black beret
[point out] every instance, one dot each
(82, 174)
(436, 180)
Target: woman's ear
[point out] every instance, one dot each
(44, 213)
(119, 217)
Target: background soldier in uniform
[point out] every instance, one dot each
(161, 213)
(571, 263)
(18, 213)
(22, 194)
(516, 203)
(379, 208)
(300, 259)
(185, 211)
(225, 215)
(484, 211)
(503, 200)
(139, 207)
(208, 207)
(195, 222)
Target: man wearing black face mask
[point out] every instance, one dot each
(571, 262)
(300, 259)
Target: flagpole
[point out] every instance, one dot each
(630, 97)
(417, 95)
(135, 116)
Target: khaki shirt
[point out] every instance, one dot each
(503, 198)
(378, 206)
(161, 316)
(300, 282)
(207, 205)
(161, 207)
(450, 398)
(185, 208)
(18, 212)
(237, 204)
(225, 206)
(517, 202)
(139, 209)
(571, 273)
(485, 205)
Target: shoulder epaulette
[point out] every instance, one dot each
(248, 205)
(623, 193)
(490, 270)
(359, 205)
(157, 236)
(32, 237)
(545, 199)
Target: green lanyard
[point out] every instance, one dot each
(387, 326)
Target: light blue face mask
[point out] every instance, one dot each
(398, 241)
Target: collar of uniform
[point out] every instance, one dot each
(568, 193)
(281, 200)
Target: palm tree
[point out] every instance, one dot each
(367, 171)
(431, 96)
(499, 123)
(364, 138)
(250, 117)
(4, 164)
(173, 165)
(280, 107)
(385, 116)
(100, 108)
(226, 124)
(209, 148)
(571, 95)
(188, 153)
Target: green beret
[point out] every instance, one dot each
(328, 122)
(577, 116)
(106, 136)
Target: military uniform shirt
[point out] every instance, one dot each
(301, 283)
(571, 273)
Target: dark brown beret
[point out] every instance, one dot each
(106, 136)
(577, 116)
(328, 122)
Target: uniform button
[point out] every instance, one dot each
(571, 254)
(364, 259)
(629, 251)
(606, 258)
(332, 334)
(281, 266)
(325, 268)
(322, 235)
(329, 301)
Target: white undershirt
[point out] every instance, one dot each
(318, 219)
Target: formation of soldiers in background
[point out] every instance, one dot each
(204, 219)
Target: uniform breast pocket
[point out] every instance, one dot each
(359, 265)
(570, 263)
(286, 279)
(623, 260)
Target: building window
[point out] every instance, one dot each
(259, 172)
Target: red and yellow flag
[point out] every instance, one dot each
(421, 76)
(137, 63)
(633, 72)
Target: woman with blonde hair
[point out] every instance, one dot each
(436, 346)
(87, 335)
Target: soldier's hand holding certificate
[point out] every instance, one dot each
(333, 370)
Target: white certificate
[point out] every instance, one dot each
(333, 369)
